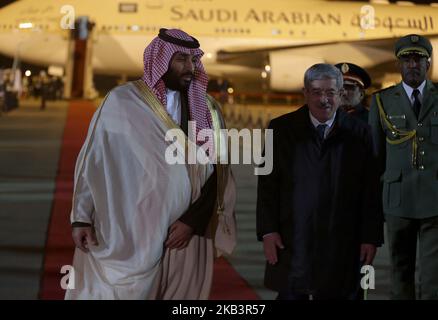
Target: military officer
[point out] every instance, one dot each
(356, 81)
(404, 121)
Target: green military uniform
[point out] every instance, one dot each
(407, 146)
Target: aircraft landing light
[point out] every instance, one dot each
(25, 25)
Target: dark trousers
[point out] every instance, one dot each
(402, 235)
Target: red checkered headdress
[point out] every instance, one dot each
(157, 57)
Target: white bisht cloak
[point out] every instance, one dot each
(125, 187)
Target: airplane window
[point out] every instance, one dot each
(127, 7)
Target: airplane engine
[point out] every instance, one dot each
(287, 69)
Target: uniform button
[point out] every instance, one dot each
(420, 124)
(422, 152)
(421, 139)
(421, 168)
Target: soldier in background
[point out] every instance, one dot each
(404, 122)
(356, 81)
(44, 82)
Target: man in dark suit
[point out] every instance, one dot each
(317, 211)
(404, 121)
(356, 81)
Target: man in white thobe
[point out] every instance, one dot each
(145, 228)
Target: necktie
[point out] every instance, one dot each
(321, 130)
(417, 103)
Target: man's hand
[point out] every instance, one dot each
(367, 253)
(179, 235)
(83, 237)
(270, 243)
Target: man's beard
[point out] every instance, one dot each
(176, 83)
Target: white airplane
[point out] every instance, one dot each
(244, 41)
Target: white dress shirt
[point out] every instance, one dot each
(173, 105)
(409, 90)
(329, 123)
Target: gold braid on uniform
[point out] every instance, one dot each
(402, 135)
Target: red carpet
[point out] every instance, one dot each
(227, 283)
(59, 245)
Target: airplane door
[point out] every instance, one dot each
(79, 73)
(80, 49)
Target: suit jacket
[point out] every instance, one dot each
(361, 112)
(323, 214)
(409, 190)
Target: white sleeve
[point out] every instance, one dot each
(82, 203)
